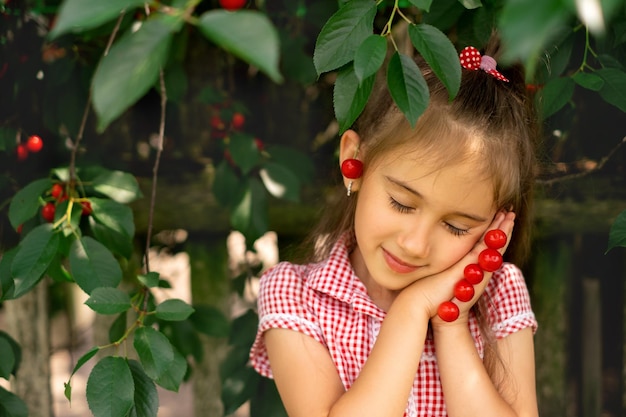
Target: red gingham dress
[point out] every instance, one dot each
(329, 303)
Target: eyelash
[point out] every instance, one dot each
(405, 209)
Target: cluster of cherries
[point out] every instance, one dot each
(33, 144)
(59, 195)
(489, 260)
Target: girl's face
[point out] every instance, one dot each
(413, 221)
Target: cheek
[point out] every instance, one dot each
(453, 251)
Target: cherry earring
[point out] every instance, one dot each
(352, 169)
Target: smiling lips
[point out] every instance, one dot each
(397, 265)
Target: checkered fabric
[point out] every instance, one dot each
(328, 302)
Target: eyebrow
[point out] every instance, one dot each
(416, 193)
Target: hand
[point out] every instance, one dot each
(502, 221)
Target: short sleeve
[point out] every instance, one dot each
(283, 304)
(509, 302)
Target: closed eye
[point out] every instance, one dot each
(399, 207)
(456, 231)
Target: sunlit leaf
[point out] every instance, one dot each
(280, 181)
(342, 34)
(110, 388)
(25, 203)
(93, 265)
(154, 350)
(247, 34)
(107, 300)
(119, 186)
(129, 70)
(407, 87)
(471, 4)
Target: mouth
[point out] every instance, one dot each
(397, 265)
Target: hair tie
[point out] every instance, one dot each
(472, 60)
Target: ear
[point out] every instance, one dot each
(349, 148)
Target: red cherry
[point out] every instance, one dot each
(352, 168)
(232, 4)
(47, 212)
(217, 123)
(22, 152)
(448, 311)
(19, 228)
(473, 273)
(56, 191)
(259, 144)
(490, 260)
(34, 143)
(87, 210)
(464, 291)
(238, 121)
(495, 239)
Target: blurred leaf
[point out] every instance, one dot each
(11, 405)
(249, 216)
(247, 34)
(106, 300)
(244, 151)
(35, 253)
(590, 81)
(238, 388)
(8, 358)
(444, 14)
(25, 203)
(266, 401)
(556, 94)
(184, 338)
(350, 96)
(369, 57)
(422, 4)
(342, 34)
(93, 265)
(150, 280)
(407, 87)
(7, 285)
(614, 89)
(617, 235)
(119, 186)
(118, 327)
(280, 182)
(176, 83)
(471, 4)
(81, 361)
(80, 15)
(110, 388)
(113, 225)
(129, 70)
(243, 329)
(146, 398)
(154, 350)
(16, 351)
(174, 374)
(298, 162)
(210, 321)
(173, 310)
(225, 184)
(439, 53)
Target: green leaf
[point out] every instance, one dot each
(297, 162)
(266, 400)
(173, 310)
(113, 225)
(81, 15)
(280, 181)
(150, 280)
(250, 215)
(154, 350)
(225, 183)
(422, 4)
(11, 405)
(7, 285)
(107, 300)
(342, 34)
(173, 376)
(617, 235)
(35, 254)
(25, 204)
(7, 363)
(614, 89)
(16, 351)
(118, 328)
(146, 402)
(129, 70)
(119, 186)
(238, 388)
(369, 57)
(83, 359)
(407, 87)
(93, 265)
(184, 338)
(244, 151)
(471, 4)
(556, 94)
(350, 96)
(439, 53)
(210, 321)
(590, 81)
(247, 34)
(110, 388)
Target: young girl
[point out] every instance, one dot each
(355, 332)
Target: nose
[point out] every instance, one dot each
(415, 239)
